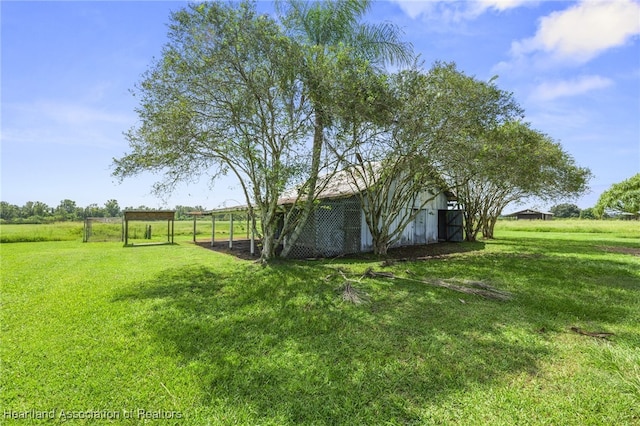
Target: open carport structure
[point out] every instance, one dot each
(231, 212)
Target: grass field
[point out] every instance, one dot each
(72, 231)
(191, 336)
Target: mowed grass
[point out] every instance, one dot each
(180, 330)
(73, 231)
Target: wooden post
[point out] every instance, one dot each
(126, 232)
(253, 244)
(172, 229)
(231, 231)
(213, 228)
(194, 228)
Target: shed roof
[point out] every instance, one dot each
(149, 214)
(342, 184)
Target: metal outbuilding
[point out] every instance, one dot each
(530, 214)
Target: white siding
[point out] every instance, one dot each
(428, 224)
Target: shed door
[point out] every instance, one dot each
(450, 225)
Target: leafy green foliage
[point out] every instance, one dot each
(224, 98)
(588, 213)
(565, 210)
(342, 59)
(515, 162)
(623, 197)
(235, 92)
(239, 93)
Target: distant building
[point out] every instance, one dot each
(531, 215)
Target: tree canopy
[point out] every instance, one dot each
(622, 197)
(224, 98)
(565, 210)
(341, 54)
(276, 101)
(237, 92)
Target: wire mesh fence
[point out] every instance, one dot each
(102, 229)
(334, 228)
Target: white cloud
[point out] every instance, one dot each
(582, 32)
(64, 123)
(455, 10)
(565, 88)
(501, 5)
(77, 114)
(482, 6)
(415, 9)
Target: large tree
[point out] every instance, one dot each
(112, 208)
(334, 41)
(565, 210)
(225, 97)
(519, 163)
(463, 112)
(622, 197)
(474, 138)
(234, 93)
(391, 164)
(67, 210)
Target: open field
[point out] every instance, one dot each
(72, 231)
(617, 228)
(98, 330)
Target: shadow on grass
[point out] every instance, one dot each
(279, 344)
(558, 283)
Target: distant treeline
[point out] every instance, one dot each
(68, 210)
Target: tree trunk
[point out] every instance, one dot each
(380, 246)
(269, 229)
(268, 247)
(469, 233)
(318, 138)
(492, 224)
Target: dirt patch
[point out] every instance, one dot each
(241, 249)
(634, 251)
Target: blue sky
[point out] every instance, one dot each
(67, 68)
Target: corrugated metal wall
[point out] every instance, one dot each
(422, 230)
(338, 227)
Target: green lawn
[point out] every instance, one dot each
(100, 330)
(72, 231)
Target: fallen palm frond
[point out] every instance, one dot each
(477, 288)
(353, 294)
(599, 334)
(471, 287)
(348, 291)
